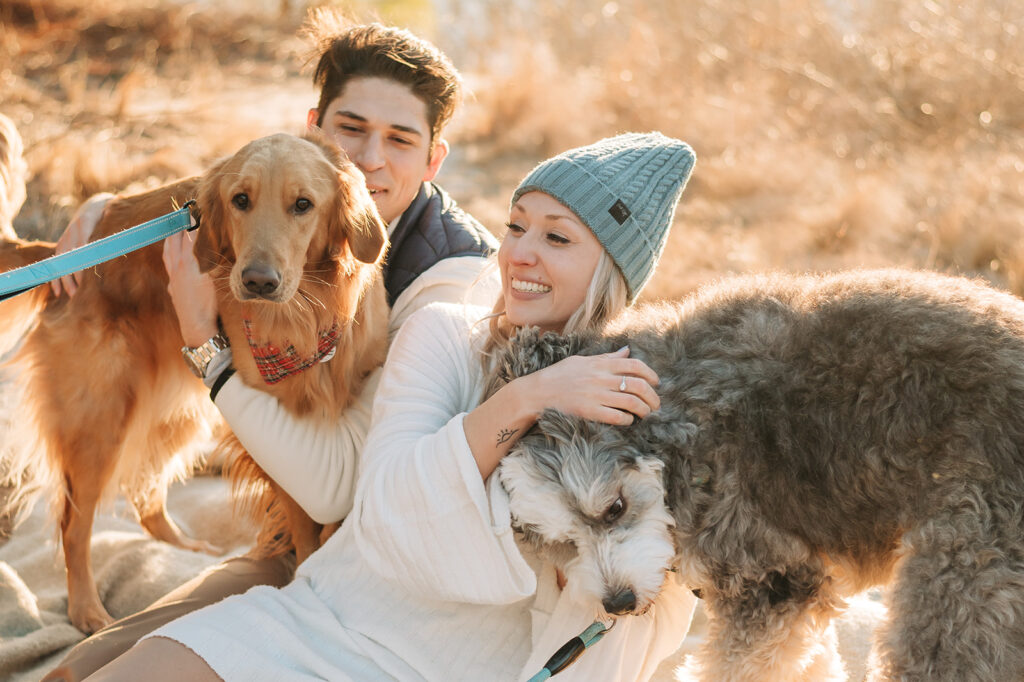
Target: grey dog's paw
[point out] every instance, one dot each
(531, 349)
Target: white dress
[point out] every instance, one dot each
(424, 581)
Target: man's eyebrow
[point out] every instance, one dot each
(353, 115)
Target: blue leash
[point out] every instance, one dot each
(20, 280)
(571, 650)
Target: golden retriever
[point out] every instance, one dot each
(106, 390)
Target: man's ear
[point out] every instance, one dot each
(437, 157)
(311, 118)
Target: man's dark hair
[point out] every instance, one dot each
(378, 51)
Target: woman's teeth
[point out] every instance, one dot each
(530, 287)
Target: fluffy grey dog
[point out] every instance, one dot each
(816, 436)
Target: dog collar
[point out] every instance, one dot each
(275, 363)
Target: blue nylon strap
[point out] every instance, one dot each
(18, 281)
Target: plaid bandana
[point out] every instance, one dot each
(275, 364)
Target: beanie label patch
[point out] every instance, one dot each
(619, 212)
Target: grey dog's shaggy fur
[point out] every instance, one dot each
(817, 435)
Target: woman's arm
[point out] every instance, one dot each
(422, 516)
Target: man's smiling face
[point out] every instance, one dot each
(383, 128)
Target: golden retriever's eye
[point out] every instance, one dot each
(302, 205)
(613, 512)
(241, 200)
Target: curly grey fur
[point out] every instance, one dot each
(817, 435)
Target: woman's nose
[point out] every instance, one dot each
(523, 251)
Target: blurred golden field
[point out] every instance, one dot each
(829, 134)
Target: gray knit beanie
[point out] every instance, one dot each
(625, 189)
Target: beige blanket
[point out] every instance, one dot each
(132, 570)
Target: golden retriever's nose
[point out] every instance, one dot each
(261, 279)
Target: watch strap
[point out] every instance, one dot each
(198, 358)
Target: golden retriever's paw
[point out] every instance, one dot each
(89, 617)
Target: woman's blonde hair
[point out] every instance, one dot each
(606, 296)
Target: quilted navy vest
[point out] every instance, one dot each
(431, 229)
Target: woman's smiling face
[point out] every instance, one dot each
(547, 259)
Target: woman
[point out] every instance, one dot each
(425, 579)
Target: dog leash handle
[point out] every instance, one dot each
(20, 280)
(571, 650)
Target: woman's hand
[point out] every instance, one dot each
(610, 388)
(192, 292)
(76, 234)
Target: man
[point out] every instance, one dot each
(385, 97)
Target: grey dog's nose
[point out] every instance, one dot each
(261, 279)
(622, 602)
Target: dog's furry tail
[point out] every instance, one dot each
(17, 314)
(25, 476)
(21, 477)
(254, 497)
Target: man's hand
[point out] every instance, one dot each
(192, 292)
(76, 234)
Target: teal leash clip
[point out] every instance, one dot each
(22, 279)
(572, 650)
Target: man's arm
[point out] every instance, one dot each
(323, 484)
(314, 462)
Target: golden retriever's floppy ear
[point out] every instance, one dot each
(356, 220)
(212, 245)
(354, 217)
(367, 233)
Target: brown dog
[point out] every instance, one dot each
(293, 241)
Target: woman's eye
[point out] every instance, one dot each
(557, 238)
(241, 200)
(515, 229)
(302, 205)
(614, 511)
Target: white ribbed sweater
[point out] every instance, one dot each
(425, 579)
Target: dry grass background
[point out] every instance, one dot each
(829, 134)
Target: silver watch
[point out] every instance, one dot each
(198, 358)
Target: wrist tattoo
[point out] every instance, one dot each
(506, 434)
